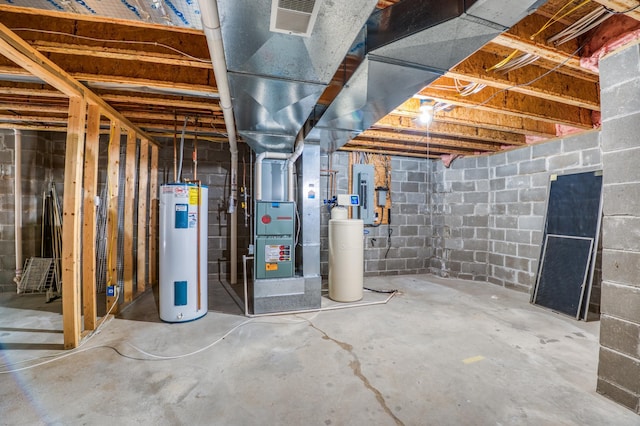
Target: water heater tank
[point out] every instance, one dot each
(183, 252)
(346, 259)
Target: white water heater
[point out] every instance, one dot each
(183, 251)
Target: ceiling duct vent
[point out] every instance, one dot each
(295, 17)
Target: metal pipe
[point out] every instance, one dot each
(211, 26)
(17, 176)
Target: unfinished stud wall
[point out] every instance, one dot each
(409, 252)
(214, 164)
(619, 367)
(489, 211)
(41, 164)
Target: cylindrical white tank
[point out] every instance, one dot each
(183, 252)
(339, 212)
(346, 259)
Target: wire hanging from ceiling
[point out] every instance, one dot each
(581, 26)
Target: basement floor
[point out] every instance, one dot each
(441, 352)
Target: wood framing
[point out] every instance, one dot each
(72, 223)
(91, 154)
(113, 187)
(153, 217)
(143, 193)
(129, 212)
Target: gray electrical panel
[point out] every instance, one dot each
(363, 185)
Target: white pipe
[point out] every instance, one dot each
(291, 163)
(259, 158)
(211, 26)
(18, 202)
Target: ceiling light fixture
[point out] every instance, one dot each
(426, 112)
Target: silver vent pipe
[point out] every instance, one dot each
(211, 26)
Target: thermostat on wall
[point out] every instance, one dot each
(348, 200)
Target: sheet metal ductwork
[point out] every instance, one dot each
(409, 45)
(276, 79)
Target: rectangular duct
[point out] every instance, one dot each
(294, 17)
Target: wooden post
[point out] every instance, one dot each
(143, 191)
(129, 202)
(113, 179)
(89, 218)
(71, 223)
(153, 217)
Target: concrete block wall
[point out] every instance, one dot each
(39, 156)
(409, 252)
(214, 165)
(489, 211)
(619, 366)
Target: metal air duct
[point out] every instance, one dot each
(276, 79)
(412, 42)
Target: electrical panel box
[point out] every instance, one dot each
(275, 244)
(363, 185)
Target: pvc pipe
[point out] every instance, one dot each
(259, 158)
(18, 202)
(211, 27)
(291, 163)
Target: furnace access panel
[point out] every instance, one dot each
(275, 246)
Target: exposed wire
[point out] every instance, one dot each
(581, 26)
(530, 81)
(555, 18)
(104, 40)
(622, 12)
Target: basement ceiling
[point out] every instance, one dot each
(154, 68)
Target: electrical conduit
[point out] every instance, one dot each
(211, 26)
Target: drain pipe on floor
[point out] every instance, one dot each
(211, 26)
(17, 176)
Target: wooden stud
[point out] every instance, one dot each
(143, 192)
(129, 202)
(113, 183)
(91, 155)
(72, 223)
(153, 217)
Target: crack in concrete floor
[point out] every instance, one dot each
(357, 371)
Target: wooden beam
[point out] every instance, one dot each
(119, 54)
(143, 211)
(91, 154)
(529, 81)
(20, 52)
(92, 19)
(207, 91)
(396, 122)
(492, 120)
(623, 5)
(508, 102)
(547, 52)
(205, 104)
(113, 184)
(387, 152)
(413, 139)
(129, 202)
(153, 217)
(72, 223)
(420, 147)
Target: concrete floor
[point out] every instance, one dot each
(442, 352)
